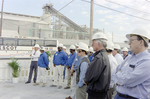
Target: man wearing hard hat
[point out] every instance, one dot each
(34, 63)
(133, 75)
(69, 62)
(91, 52)
(113, 65)
(125, 52)
(64, 49)
(116, 54)
(98, 75)
(74, 68)
(42, 64)
(81, 87)
(59, 60)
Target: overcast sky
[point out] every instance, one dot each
(79, 12)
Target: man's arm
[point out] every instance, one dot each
(136, 76)
(94, 71)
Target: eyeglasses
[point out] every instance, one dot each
(130, 40)
(79, 51)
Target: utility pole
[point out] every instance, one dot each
(1, 18)
(103, 31)
(91, 23)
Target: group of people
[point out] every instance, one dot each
(101, 72)
(39, 63)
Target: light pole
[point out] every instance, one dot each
(1, 18)
(91, 23)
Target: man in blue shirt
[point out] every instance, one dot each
(90, 54)
(69, 62)
(125, 53)
(42, 64)
(133, 75)
(81, 87)
(59, 60)
(74, 68)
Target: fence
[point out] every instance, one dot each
(6, 71)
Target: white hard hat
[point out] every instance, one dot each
(64, 47)
(37, 45)
(83, 46)
(72, 47)
(60, 45)
(99, 35)
(77, 44)
(110, 45)
(125, 49)
(116, 46)
(42, 48)
(141, 32)
(91, 49)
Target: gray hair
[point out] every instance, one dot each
(102, 41)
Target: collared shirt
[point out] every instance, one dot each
(76, 62)
(124, 57)
(113, 66)
(60, 58)
(35, 55)
(83, 68)
(134, 77)
(43, 60)
(119, 58)
(91, 57)
(71, 59)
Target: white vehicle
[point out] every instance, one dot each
(22, 47)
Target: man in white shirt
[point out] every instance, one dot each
(113, 65)
(34, 63)
(116, 54)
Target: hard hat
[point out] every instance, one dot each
(116, 46)
(91, 49)
(72, 47)
(77, 44)
(64, 47)
(99, 35)
(83, 46)
(60, 45)
(42, 48)
(141, 32)
(37, 45)
(125, 49)
(110, 45)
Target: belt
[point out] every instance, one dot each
(125, 96)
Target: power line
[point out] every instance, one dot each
(127, 7)
(66, 5)
(147, 1)
(117, 11)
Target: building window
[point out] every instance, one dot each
(23, 42)
(50, 43)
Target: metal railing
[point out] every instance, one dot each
(6, 71)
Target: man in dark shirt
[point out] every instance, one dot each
(98, 75)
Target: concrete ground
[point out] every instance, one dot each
(21, 90)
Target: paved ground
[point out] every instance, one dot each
(28, 91)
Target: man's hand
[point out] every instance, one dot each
(84, 83)
(118, 84)
(72, 69)
(67, 67)
(54, 65)
(30, 55)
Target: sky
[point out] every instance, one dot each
(79, 11)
